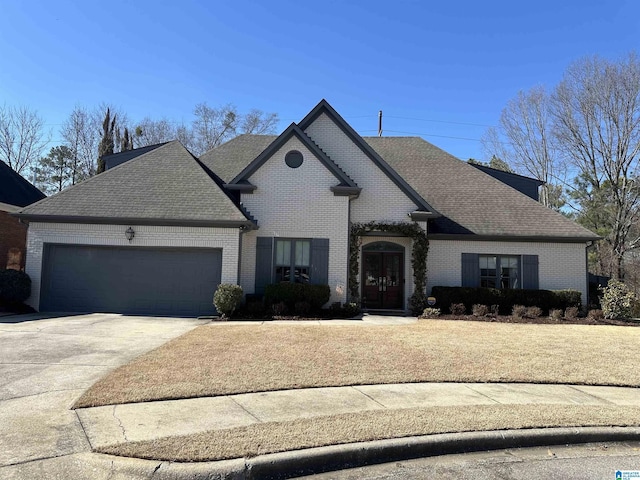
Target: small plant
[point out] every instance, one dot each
(227, 298)
(457, 309)
(555, 314)
(571, 313)
(479, 310)
(617, 301)
(534, 312)
(519, 311)
(430, 312)
(495, 310)
(595, 314)
(279, 308)
(351, 309)
(302, 308)
(417, 303)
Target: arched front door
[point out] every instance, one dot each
(383, 276)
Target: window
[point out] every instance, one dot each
(292, 256)
(293, 159)
(499, 271)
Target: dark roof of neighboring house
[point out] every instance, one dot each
(166, 186)
(15, 190)
(470, 201)
(116, 159)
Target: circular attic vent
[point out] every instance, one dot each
(293, 159)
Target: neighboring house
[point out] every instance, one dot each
(15, 193)
(157, 233)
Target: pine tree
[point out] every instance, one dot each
(55, 171)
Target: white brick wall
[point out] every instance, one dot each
(381, 199)
(113, 235)
(560, 265)
(297, 203)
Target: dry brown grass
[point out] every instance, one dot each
(275, 437)
(229, 359)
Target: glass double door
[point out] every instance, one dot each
(383, 281)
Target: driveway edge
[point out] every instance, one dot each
(291, 464)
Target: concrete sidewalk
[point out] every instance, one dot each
(150, 420)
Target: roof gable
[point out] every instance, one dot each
(15, 190)
(293, 131)
(166, 186)
(405, 187)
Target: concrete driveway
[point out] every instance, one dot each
(45, 365)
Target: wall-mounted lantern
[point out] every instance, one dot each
(129, 233)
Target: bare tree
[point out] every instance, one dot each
(152, 132)
(524, 138)
(80, 134)
(22, 137)
(596, 112)
(258, 122)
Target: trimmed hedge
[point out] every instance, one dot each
(15, 287)
(292, 293)
(506, 299)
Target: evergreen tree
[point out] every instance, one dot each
(107, 142)
(55, 171)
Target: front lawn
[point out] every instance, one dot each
(220, 359)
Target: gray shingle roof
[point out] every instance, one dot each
(164, 186)
(471, 201)
(230, 158)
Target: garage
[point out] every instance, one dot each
(131, 280)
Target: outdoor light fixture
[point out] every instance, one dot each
(129, 233)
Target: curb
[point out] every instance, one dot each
(279, 466)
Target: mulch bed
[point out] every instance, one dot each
(543, 320)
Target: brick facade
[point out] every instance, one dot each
(13, 234)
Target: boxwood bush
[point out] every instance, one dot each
(227, 298)
(15, 287)
(506, 299)
(292, 293)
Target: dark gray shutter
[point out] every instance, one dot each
(470, 270)
(319, 261)
(530, 272)
(264, 258)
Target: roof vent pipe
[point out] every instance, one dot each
(380, 123)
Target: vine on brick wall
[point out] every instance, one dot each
(406, 229)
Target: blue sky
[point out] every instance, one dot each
(440, 70)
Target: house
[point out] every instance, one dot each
(158, 232)
(15, 193)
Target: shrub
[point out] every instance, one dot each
(351, 309)
(457, 309)
(534, 312)
(417, 303)
(518, 311)
(292, 293)
(595, 314)
(15, 287)
(255, 307)
(430, 312)
(302, 308)
(571, 313)
(617, 301)
(227, 298)
(495, 309)
(279, 308)
(555, 313)
(479, 310)
(506, 299)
